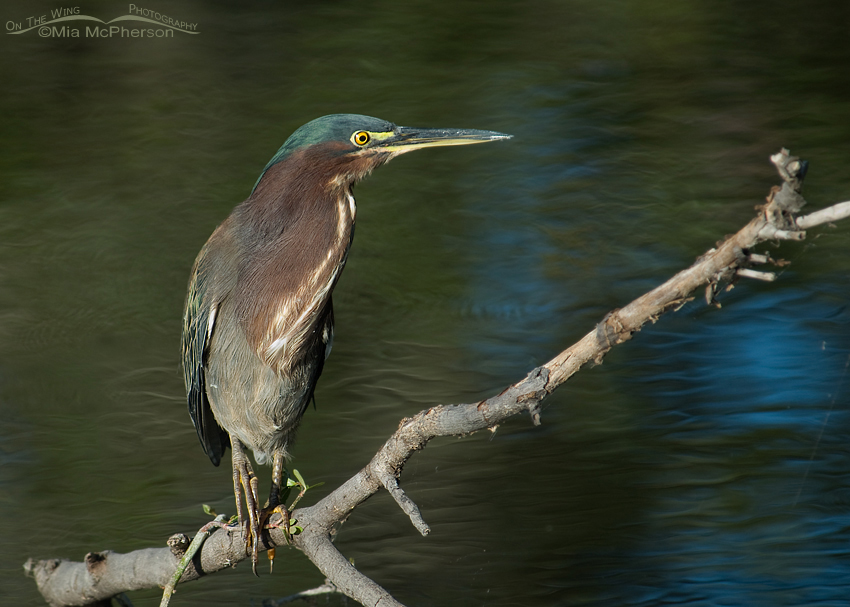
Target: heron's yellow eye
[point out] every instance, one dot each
(361, 138)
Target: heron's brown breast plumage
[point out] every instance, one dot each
(295, 232)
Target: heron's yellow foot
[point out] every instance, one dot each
(244, 480)
(284, 524)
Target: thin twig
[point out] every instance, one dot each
(191, 551)
(390, 483)
(765, 276)
(834, 213)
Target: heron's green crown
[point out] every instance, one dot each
(334, 127)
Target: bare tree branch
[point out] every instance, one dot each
(105, 574)
(834, 213)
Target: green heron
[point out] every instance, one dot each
(258, 323)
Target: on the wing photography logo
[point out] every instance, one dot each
(64, 23)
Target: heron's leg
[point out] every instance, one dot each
(274, 504)
(277, 479)
(245, 479)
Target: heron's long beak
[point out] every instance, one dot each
(405, 139)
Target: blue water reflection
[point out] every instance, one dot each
(751, 416)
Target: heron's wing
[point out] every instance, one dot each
(321, 345)
(199, 321)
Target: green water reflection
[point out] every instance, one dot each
(704, 463)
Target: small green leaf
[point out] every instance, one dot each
(291, 483)
(233, 519)
(208, 510)
(295, 529)
(300, 478)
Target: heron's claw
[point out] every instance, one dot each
(282, 524)
(245, 480)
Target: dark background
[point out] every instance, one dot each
(705, 463)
